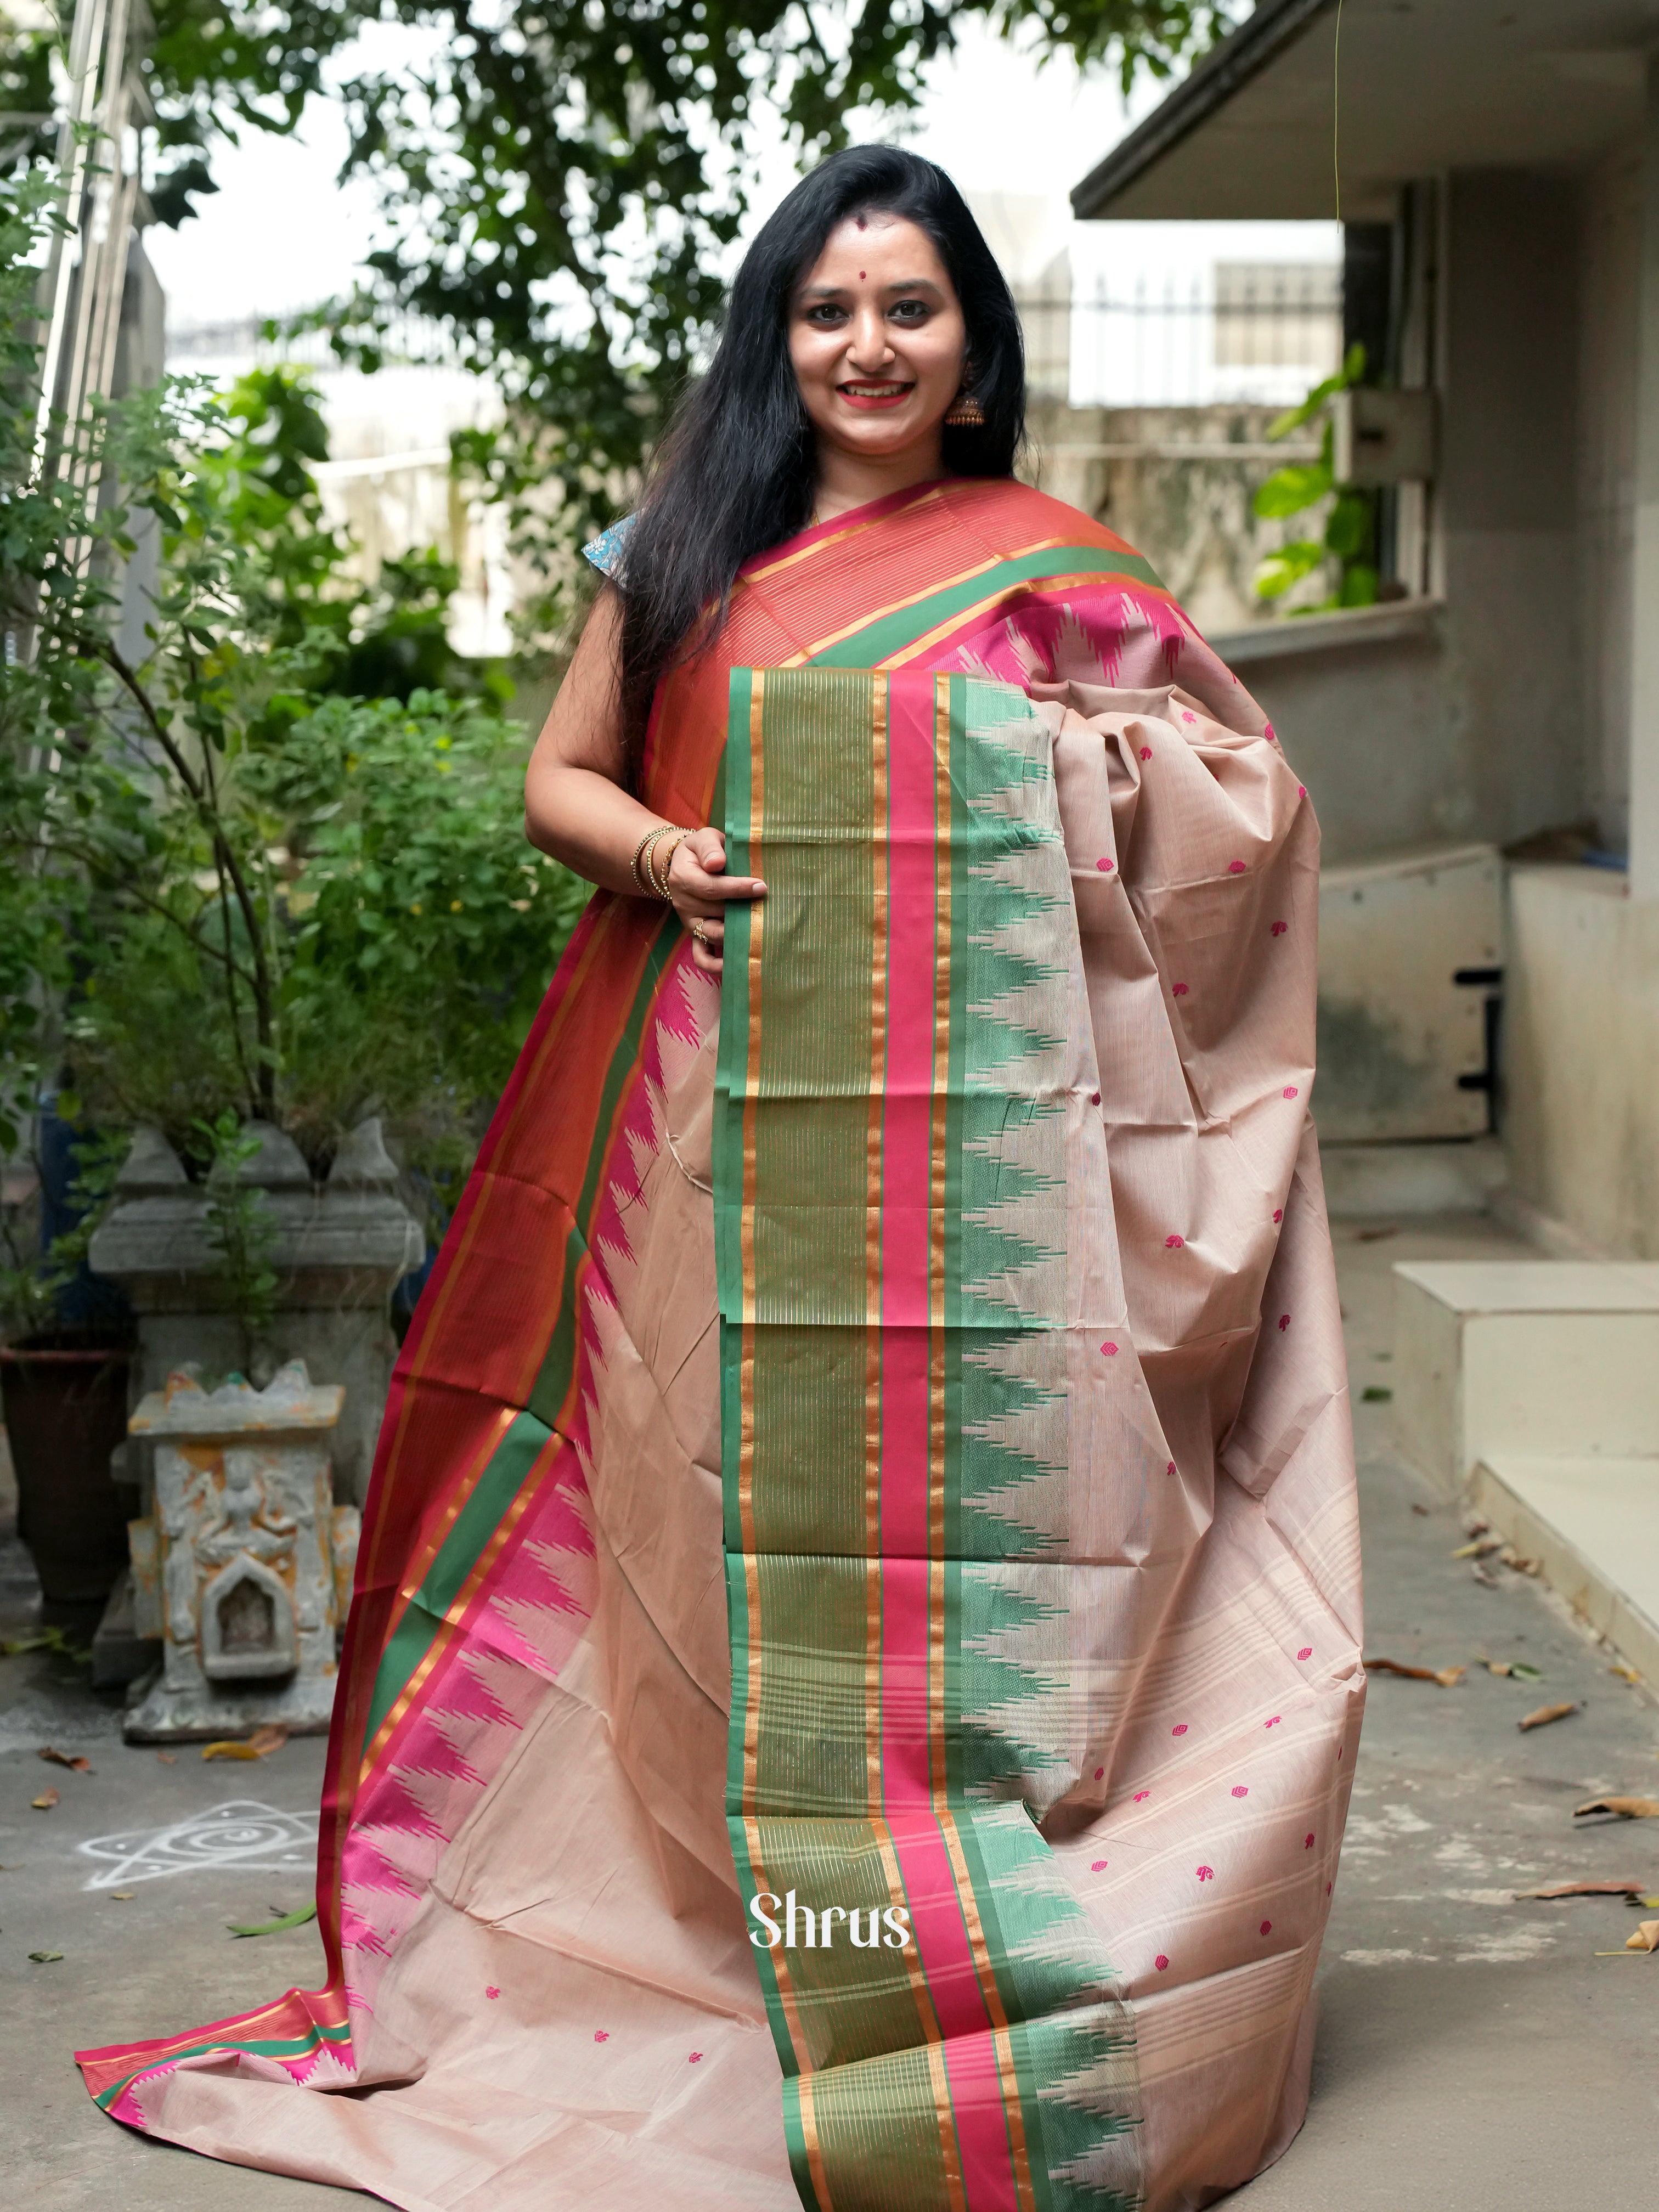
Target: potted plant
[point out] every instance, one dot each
(64, 1389)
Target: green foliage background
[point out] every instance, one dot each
(274, 866)
(559, 183)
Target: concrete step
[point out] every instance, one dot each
(1592, 1522)
(1542, 1359)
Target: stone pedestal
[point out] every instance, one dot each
(243, 1568)
(339, 1250)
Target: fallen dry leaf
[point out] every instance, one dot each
(1484, 1576)
(168, 1758)
(72, 1759)
(1646, 1937)
(1374, 1235)
(45, 1958)
(44, 1801)
(1518, 1670)
(1479, 1547)
(123, 1896)
(1625, 1674)
(1509, 1557)
(1546, 1714)
(1627, 1808)
(1444, 1675)
(259, 1745)
(1423, 1509)
(1476, 1527)
(1580, 1889)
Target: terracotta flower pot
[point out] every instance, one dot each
(65, 1401)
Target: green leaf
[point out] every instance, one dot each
(273, 1927)
(1288, 490)
(1360, 585)
(1349, 528)
(1287, 566)
(1350, 373)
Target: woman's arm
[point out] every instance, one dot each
(575, 806)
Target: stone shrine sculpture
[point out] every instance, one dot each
(244, 1570)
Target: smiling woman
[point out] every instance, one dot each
(879, 347)
(872, 346)
(875, 1441)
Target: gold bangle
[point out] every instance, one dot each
(664, 854)
(651, 837)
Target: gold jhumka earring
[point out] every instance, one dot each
(965, 413)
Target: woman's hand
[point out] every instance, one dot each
(699, 889)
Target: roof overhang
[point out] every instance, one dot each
(1426, 86)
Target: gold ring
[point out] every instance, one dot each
(699, 932)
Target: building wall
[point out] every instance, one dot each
(1608, 289)
(1477, 725)
(1508, 501)
(1369, 730)
(1581, 1020)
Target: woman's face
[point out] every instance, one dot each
(877, 338)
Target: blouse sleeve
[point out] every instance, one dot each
(605, 551)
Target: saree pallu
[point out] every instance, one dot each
(872, 1467)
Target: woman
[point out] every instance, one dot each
(854, 1673)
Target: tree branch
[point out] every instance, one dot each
(263, 1093)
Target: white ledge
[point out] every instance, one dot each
(1388, 623)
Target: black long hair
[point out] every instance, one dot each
(735, 471)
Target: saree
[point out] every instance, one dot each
(853, 1678)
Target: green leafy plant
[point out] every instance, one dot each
(273, 866)
(561, 186)
(241, 1231)
(1349, 535)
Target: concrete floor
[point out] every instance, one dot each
(1474, 2056)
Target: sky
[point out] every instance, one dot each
(281, 233)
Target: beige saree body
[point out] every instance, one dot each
(855, 1674)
